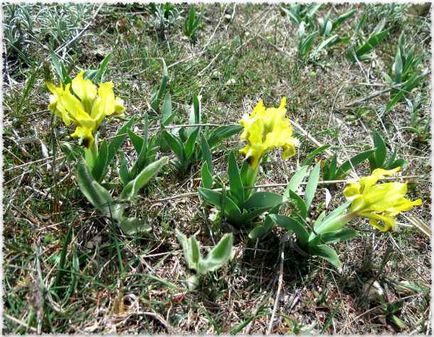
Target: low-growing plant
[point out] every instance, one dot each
(380, 203)
(419, 125)
(165, 16)
(191, 24)
(193, 143)
(216, 258)
(299, 13)
(404, 72)
(327, 25)
(362, 51)
(264, 130)
(240, 204)
(114, 208)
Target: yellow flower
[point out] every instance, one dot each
(85, 105)
(380, 203)
(266, 129)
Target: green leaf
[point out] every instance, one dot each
(299, 203)
(158, 95)
(133, 187)
(137, 141)
(353, 162)
(167, 115)
(207, 179)
(380, 149)
(220, 254)
(124, 174)
(295, 181)
(311, 186)
(292, 225)
(331, 222)
(175, 144)
(195, 250)
(191, 143)
(187, 249)
(311, 156)
(370, 44)
(341, 235)
(100, 162)
(235, 183)
(325, 44)
(326, 253)
(221, 201)
(222, 132)
(97, 195)
(262, 230)
(329, 170)
(263, 200)
(342, 18)
(206, 153)
(131, 226)
(102, 68)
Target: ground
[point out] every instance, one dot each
(115, 283)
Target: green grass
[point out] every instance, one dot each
(66, 268)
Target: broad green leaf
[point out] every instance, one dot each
(186, 248)
(206, 153)
(222, 132)
(102, 68)
(299, 202)
(100, 162)
(353, 162)
(158, 95)
(370, 44)
(262, 230)
(343, 234)
(311, 185)
(380, 149)
(292, 225)
(133, 187)
(131, 226)
(136, 140)
(295, 181)
(342, 18)
(221, 201)
(124, 174)
(167, 115)
(207, 179)
(191, 143)
(235, 183)
(333, 221)
(97, 195)
(263, 200)
(325, 44)
(327, 253)
(220, 254)
(175, 144)
(195, 250)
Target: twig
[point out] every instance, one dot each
(279, 288)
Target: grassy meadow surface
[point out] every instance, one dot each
(67, 269)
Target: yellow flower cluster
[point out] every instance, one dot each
(380, 203)
(266, 129)
(85, 105)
